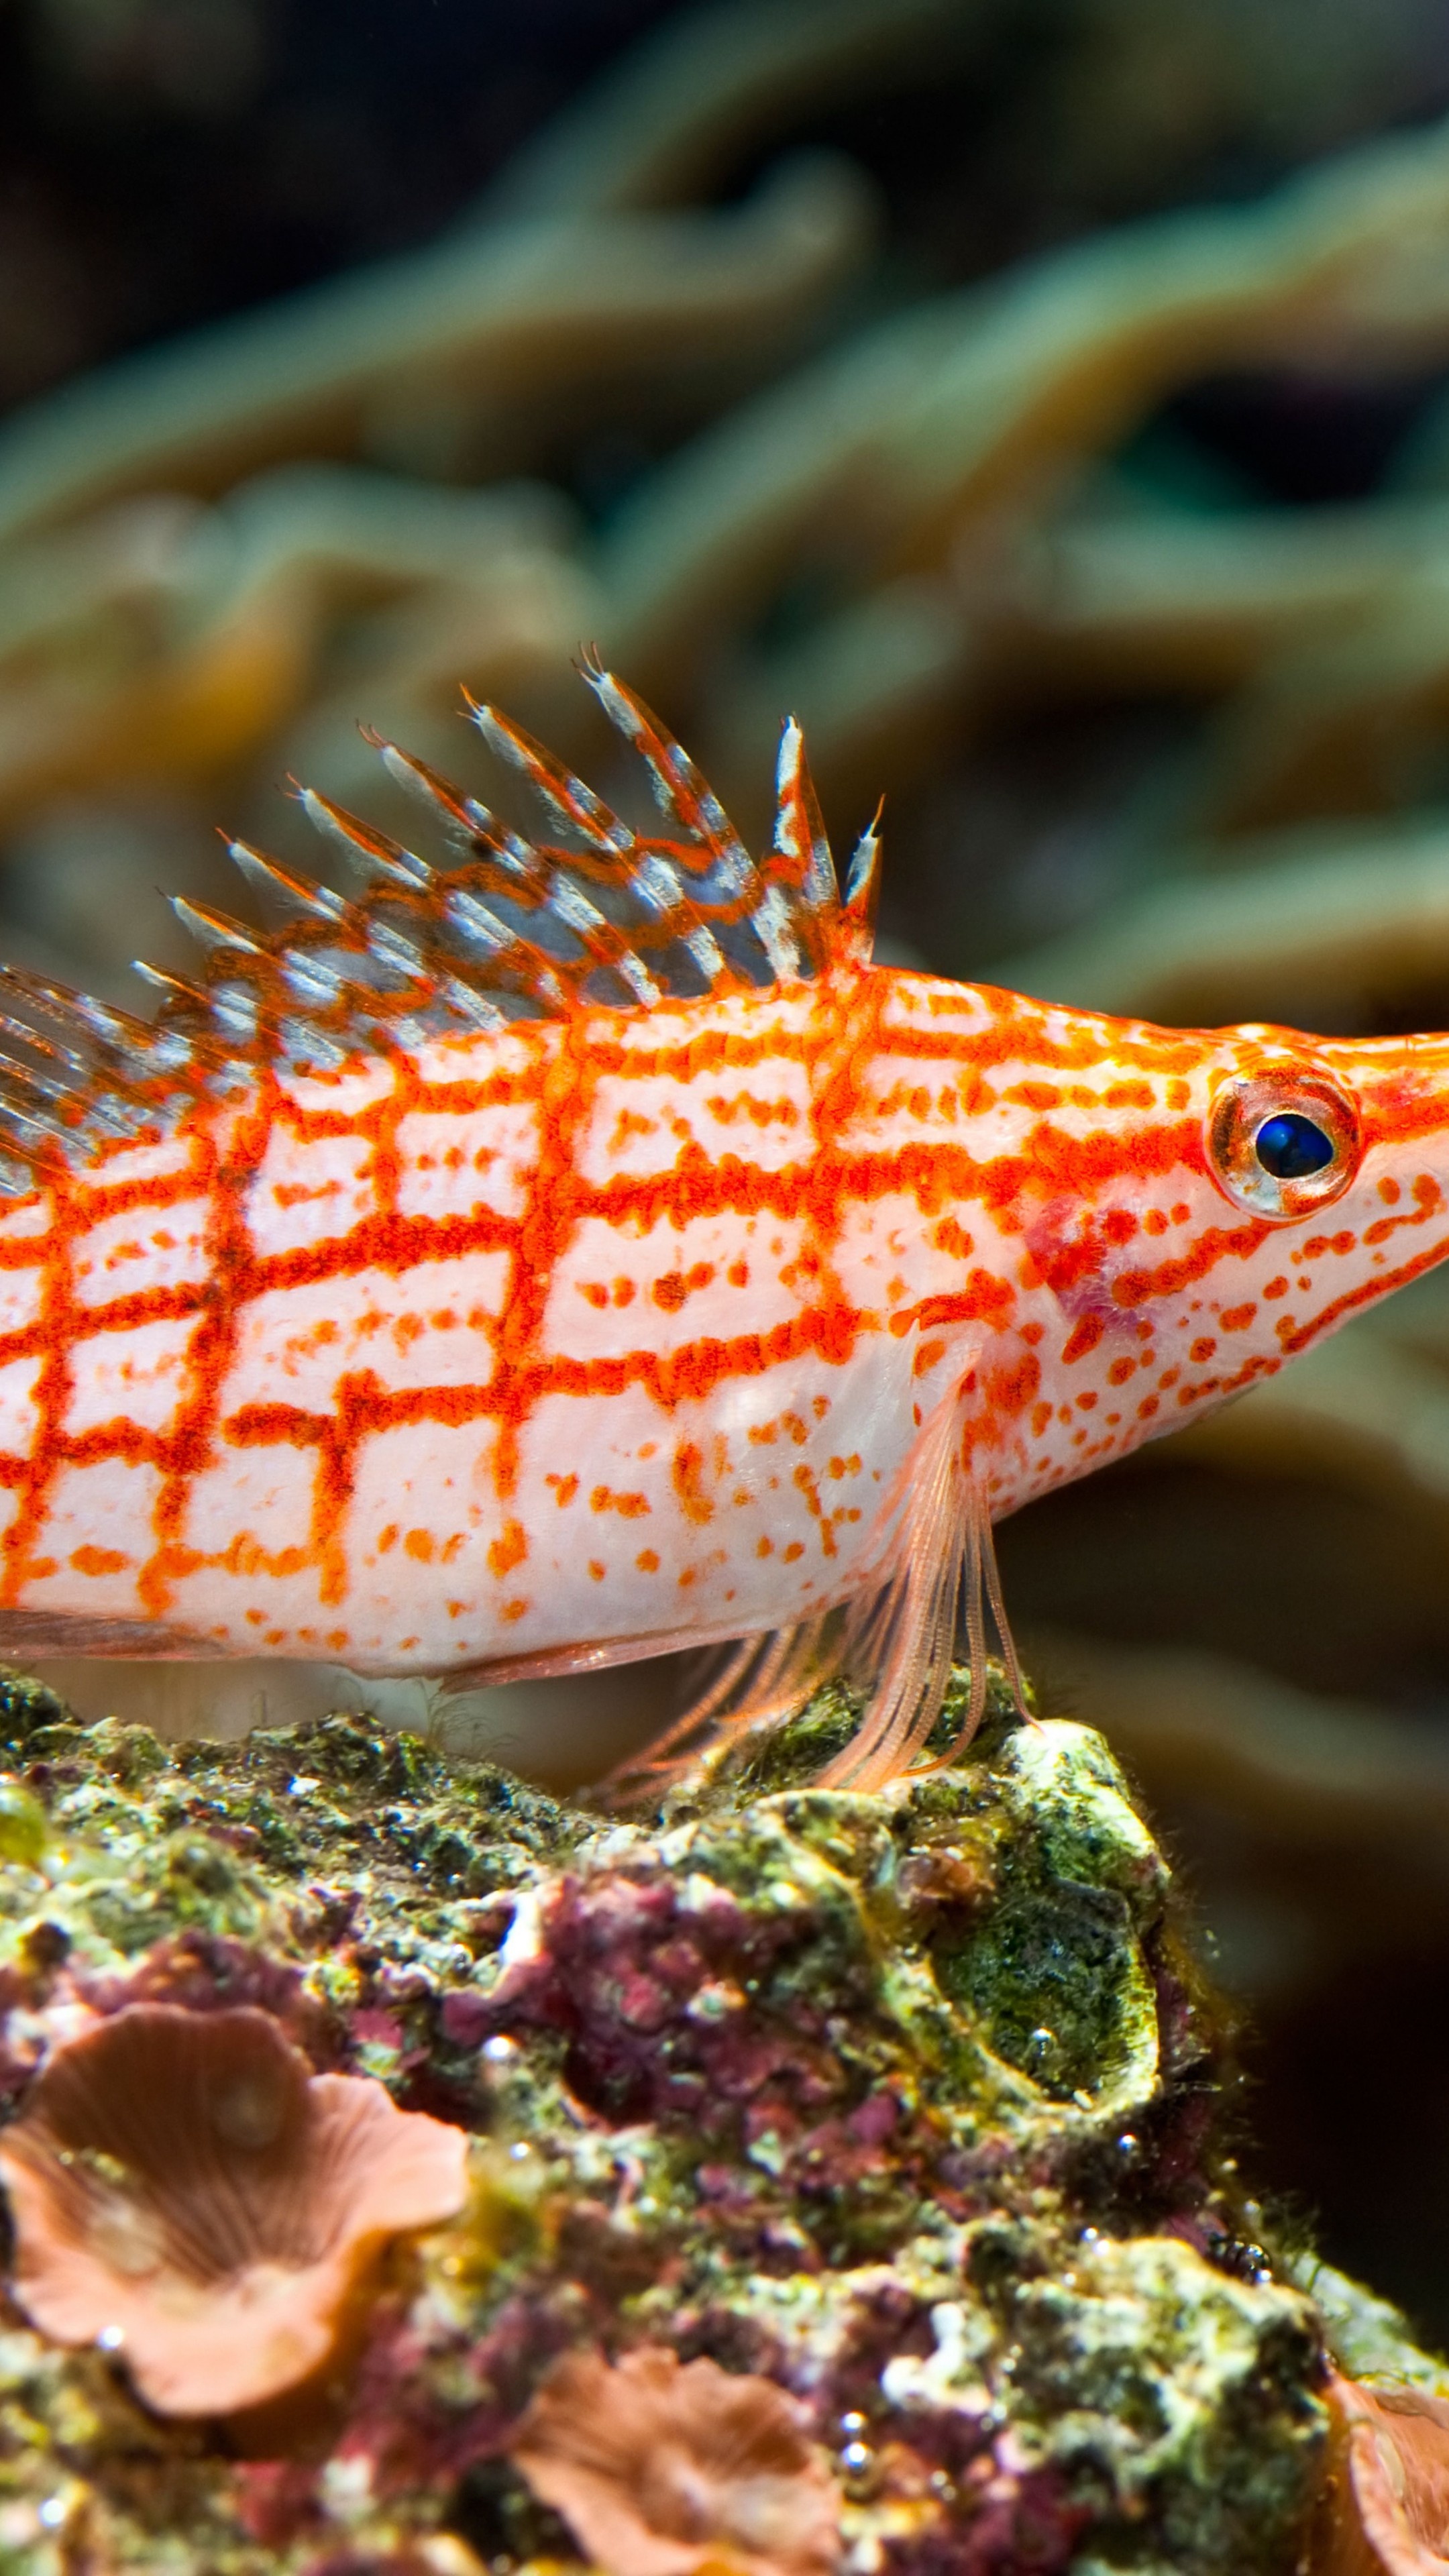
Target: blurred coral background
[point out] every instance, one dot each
(1047, 400)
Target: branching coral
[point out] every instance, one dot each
(715, 81)
(188, 2194)
(1338, 922)
(659, 2470)
(885, 465)
(980, 401)
(222, 620)
(484, 325)
(879, 459)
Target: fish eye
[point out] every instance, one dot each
(1291, 1147)
(1283, 1143)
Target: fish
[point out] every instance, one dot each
(565, 1250)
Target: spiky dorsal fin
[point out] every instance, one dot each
(509, 928)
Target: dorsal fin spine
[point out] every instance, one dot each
(776, 935)
(351, 835)
(215, 929)
(303, 894)
(800, 840)
(475, 922)
(855, 937)
(470, 1004)
(235, 1006)
(566, 796)
(32, 1084)
(465, 819)
(426, 948)
(41, 1125)
(311, 980)
(172, 985)
(571, 906)
(50, 1050)
(412, 774)
(678, 786)
(508, 847)
(392, 947)
(305, 1044)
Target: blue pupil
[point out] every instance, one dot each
(1291, 1147)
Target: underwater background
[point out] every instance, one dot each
(1047, 403)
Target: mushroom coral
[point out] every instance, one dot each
(186, 2191)
(1386, 2504)
(659, 2469)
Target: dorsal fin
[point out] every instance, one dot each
(508, 927)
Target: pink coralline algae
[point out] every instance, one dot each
(188, 2194)
(694, 2005)
(660, 2470)
(1385, 2510)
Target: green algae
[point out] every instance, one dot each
(145, 1841)
(1056, 1969)
(904, 2100)
(1179, 2399)
(1369, 2337)
(24, 1830)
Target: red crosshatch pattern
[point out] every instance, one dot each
(500, 1347)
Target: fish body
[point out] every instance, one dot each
(484, 1338)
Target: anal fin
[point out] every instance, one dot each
(894, 1642)
(899, 1645)
(755, 1681)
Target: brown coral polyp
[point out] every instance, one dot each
(187, 2193)
(660, 2470)
(1385, 2510)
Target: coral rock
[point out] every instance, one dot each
(900, 2112)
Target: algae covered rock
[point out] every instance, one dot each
(905, 2105)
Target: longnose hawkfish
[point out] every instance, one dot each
(582, 1250)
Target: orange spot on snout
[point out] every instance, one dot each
(1084, 1336)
